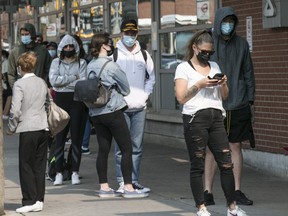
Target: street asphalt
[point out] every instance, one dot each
(165, 169)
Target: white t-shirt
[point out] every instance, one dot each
(209, 97)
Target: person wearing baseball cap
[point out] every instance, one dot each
(131, 60)
(129, 33)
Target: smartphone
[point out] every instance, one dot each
(218, 76)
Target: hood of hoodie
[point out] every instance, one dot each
(219, 16)
(30, 28)
(68, 39)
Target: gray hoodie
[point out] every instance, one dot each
(62, 74)
(233, 57)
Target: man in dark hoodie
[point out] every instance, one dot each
(233, 56)
(28, 36)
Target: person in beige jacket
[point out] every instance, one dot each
(28, 117)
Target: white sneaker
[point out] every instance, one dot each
(75, 178)
(236, 212)
(121, 188)
(38, 206)
(58, 179)
(203, 212)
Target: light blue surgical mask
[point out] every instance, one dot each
(52, 53)
(227, 27)
(26, 39)
(129, 41)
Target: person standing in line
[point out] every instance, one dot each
(28, 35)
(87, 133)
(64, 73)
(203, 115)
(52, 49)
(109, 120)
(141, 78)
(233, 57)
(29, 118)
(7, 91)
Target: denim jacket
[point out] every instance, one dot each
(113, 77)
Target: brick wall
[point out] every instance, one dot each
(270, 58)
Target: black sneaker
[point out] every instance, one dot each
(85, 151)
(241, 199)
(138, 186)
(208, 198)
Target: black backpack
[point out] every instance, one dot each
(144, 54)
(51, 170)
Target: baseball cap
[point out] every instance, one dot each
(129, 25)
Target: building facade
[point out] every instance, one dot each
(165, 28)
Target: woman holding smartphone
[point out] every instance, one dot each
(203, 116)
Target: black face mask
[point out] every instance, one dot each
(203, 58)
(69, 54)
(110, 44)
(111, 51)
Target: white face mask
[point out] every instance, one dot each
(19, 71)
(52, 53)
(129, 41)
(26, 39)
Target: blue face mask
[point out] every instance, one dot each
(227, 28)
(129, 41)
(26, 39)
(52, 53)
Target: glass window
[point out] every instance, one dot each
(173, 48)
(132, 9)
(184, 13)
(77, 3)
(86, 22)
(52, 6)
(115, 17)
(5, 31)
(52, 27)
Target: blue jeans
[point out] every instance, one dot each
(87, 132)
(136, 125)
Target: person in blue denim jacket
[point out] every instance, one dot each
(109, 120)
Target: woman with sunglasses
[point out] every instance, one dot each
(201, 95)
(65, 71)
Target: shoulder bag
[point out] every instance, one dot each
(57, 117)
(92, 92)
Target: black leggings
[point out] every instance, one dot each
(204, 128)
(108, 126)
(78, 114)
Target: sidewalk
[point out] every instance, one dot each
(165, 169)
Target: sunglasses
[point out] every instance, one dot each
(206, 52)
(69, 45)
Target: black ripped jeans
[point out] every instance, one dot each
(204, 128)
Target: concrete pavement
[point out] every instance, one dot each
(165, 168)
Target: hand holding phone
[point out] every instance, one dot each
(217, 76)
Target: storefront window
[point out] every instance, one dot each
(115, 17)
(139, 10)
(52, 27)
(5, 31)
(185, 13)
(52, 6)
(77, 3)
(86, 22)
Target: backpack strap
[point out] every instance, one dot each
(115, 54)
(144, 54)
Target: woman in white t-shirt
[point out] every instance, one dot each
(200, 87)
